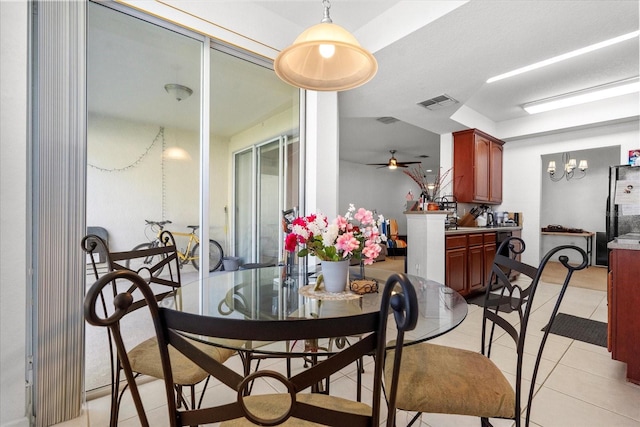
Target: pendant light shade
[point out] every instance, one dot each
(326, 57)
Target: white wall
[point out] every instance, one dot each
(120, 200)
(577, 203)
(381, 189)
(13, 211)
(522, 173)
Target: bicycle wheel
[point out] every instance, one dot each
(215, 256)
(138, 264)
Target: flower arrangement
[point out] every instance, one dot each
(429, 189)
(354, 235)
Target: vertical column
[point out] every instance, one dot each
(59, 206)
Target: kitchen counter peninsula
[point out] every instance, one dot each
(425, 244)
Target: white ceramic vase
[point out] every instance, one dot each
(335, 275)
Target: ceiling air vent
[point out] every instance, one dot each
(438, 102)
(387, 120)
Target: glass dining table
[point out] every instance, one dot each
(288, 292)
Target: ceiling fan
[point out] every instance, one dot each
(393, 163)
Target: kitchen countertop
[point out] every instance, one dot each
(438, 212)
(630, 246)
(469, 230)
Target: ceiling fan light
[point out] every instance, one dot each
(325, 57)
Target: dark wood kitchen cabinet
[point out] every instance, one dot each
(477, 167)
(623, 297)
(489, 248)
(476, 263)
(468, 260)
(456, 263)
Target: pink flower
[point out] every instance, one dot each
(354, 235)
(364, 216)
(347, 243)
(342, 223)
(371, 251)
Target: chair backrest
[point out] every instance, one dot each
(518, 297)
(158, 263)
(399, 297)
(98, 312)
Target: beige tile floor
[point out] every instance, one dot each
(578, 383)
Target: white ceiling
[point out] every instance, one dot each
(426, 49)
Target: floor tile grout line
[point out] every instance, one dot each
(593, 404)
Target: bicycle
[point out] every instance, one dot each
(190, 254)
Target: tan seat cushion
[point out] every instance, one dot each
(270, 406)
(439, 379)
(145, 359)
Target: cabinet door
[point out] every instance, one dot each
(476, 268)
(611, 317)
(489, 255)
(495, 180)
(481, 171)
(456, 270)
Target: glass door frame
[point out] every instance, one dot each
(283, 148)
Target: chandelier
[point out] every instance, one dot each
(569, 168)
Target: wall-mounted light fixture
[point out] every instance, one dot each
(569, 168)
(325, 57)
(596, 93)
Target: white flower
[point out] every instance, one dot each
(318, 225)
(300, 231)
(330, 235)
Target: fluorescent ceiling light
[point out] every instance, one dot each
(565, 56)
(609, 90)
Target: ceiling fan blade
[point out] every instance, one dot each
(377, 164)
(405, 164)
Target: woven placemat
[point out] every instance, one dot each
(321, 294)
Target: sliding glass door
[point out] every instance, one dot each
(264, 179)
(167, 110)
(143, 145)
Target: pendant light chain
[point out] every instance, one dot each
(139, 159)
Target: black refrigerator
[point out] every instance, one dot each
(623, 203)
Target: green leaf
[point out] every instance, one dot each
(331, 253)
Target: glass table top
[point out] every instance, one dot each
(281, 293)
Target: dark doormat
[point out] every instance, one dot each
(581, 329)
(479, 301)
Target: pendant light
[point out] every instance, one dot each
(325, 57)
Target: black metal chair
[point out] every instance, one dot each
(296, 403)
(440, 379)
(160, 267)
